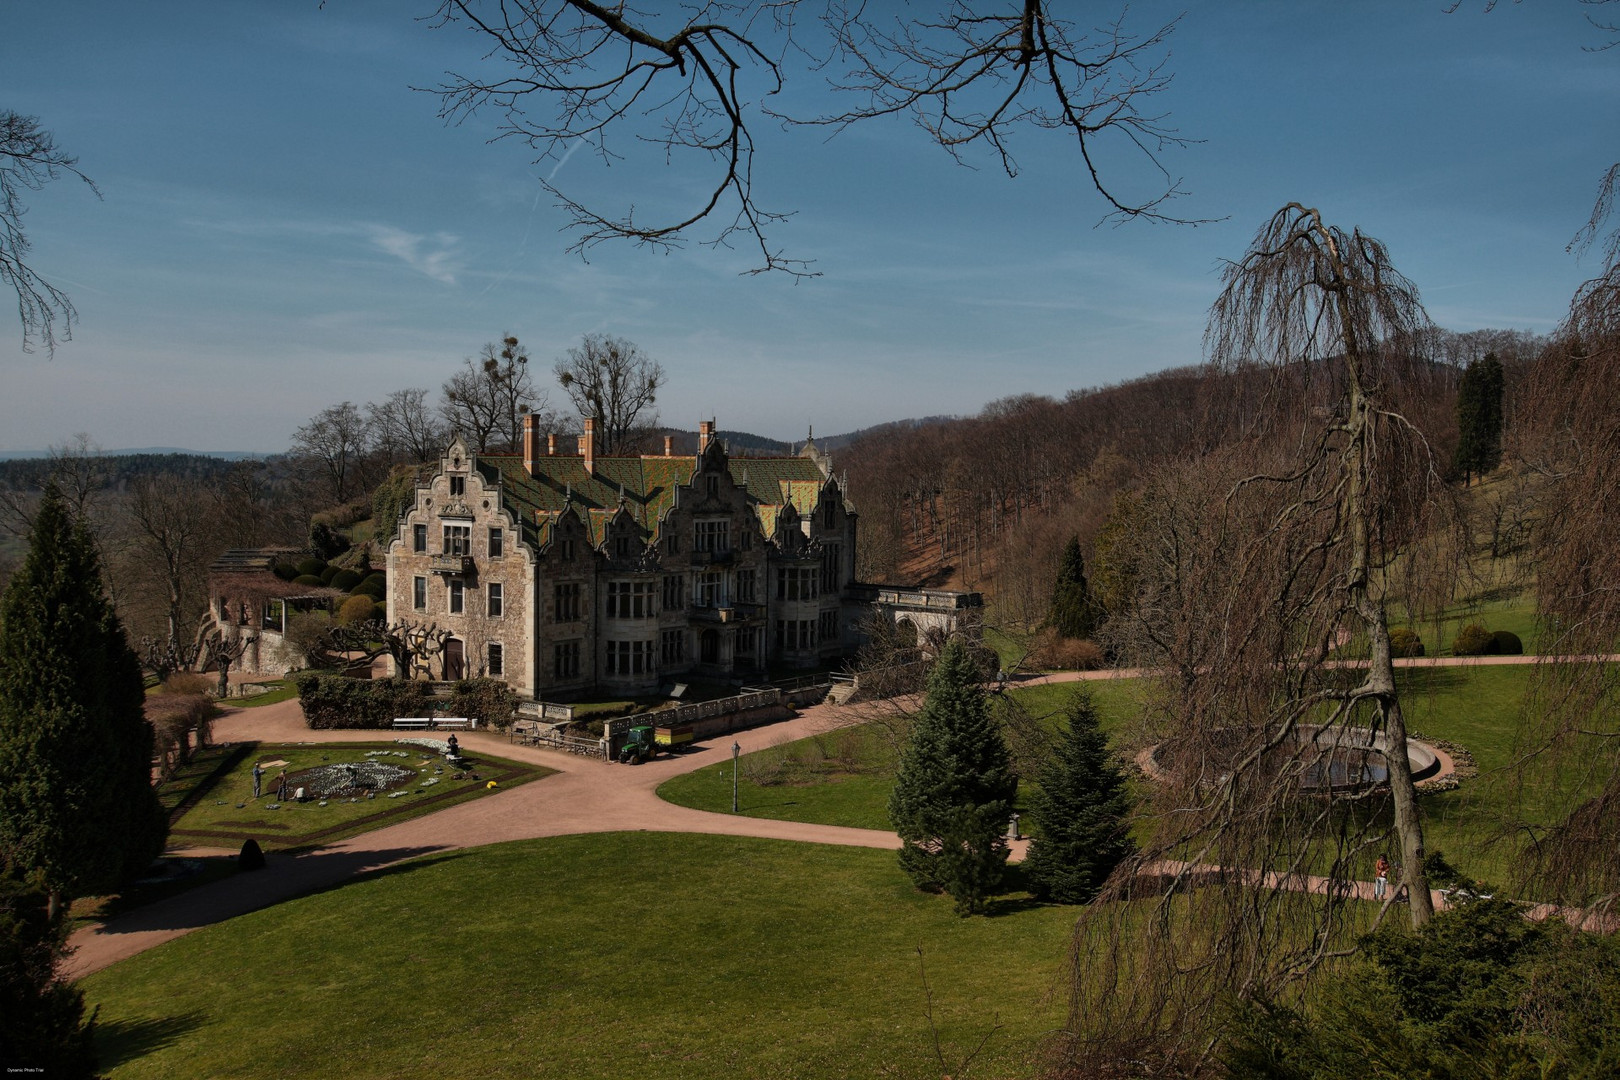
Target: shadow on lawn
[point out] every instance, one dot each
(121, 1041)
(283, 878)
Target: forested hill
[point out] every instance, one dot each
(115, 471)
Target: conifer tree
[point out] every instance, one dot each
(76, 799)
(1080, 808)
(1479, 418)
(43, 1028)
(954, 792)
(1073, 614)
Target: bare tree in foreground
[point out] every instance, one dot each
(1568, 435)
(30, 159)
(684, 87)
(1259, 568)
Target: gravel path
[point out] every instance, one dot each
(584, 796)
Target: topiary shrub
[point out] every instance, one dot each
(1505, 643)
(357, 609)
(286, 571)
(312, 581)
(1471, 640)
(1404, 641)
(330, 573)
(251, 856)
(345, 580)
(312, 567)
(331, 701)
(375, 586)
(490, 701)
(327, 541)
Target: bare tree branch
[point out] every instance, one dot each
(30, 159)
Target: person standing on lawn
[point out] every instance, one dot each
(1381, 878)
(258, 778)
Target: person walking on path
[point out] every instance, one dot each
(258, 778)
(1381, 878)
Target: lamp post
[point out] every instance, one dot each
(735, 751)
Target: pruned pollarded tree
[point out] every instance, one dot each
(614, 384)
(1257, 569)
(683, 88)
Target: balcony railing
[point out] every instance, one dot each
(450, 564)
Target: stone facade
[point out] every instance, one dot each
(569, 573)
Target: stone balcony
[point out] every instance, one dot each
(450, 564)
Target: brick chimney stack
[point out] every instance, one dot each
(587, 444)
(531, 442)
(669, 446)
(551, 445)
(705, 433)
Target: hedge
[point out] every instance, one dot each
(1471, 640)
(1404, 641)
(331, 701)
(489, 700)
(1505, 643)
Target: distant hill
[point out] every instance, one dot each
(747, 444)
(145, 451)
(116, 470)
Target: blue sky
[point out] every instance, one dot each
(286, 224)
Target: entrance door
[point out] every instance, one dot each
(455, 661)
(709, 647)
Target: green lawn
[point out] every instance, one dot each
(278, 692)
(222, 811)
(646, 955)
(843, 777)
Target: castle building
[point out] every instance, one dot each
(564, 572)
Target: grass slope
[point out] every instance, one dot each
(616, 955)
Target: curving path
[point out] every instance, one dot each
(584, 796)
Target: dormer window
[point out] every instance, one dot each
(458, 485)
(621, 547)
(713, 483)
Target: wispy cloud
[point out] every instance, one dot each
(434, 255)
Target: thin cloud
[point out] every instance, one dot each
(433, 256)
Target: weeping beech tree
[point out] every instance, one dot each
(1567, 434)
(1264, 575)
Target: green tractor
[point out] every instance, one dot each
(640, 745)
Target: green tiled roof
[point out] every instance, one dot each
(646, 484)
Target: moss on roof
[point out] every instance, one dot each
(645, 484)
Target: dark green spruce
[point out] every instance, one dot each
(1081, 811)
(1479, 418)
(76, 798)
(953, 795)
(1073, 614)
(43, 1029)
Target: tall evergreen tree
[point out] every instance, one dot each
(954, 792)
(42, 1023)
(1073, 614)
(76, 799)
(1479, 417)
(1080, 808)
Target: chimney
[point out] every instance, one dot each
(531, 442)
(551, 445)
(587, 444)
(705, 433)
(669, 446)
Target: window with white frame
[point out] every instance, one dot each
(497, 659)
(458, 596)
(565, 660)
(496, 603)
(630, 600)
(712, 535)
(629, 657)
(419, 593)
(458, 539)
(497, 543)
(419, 539)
